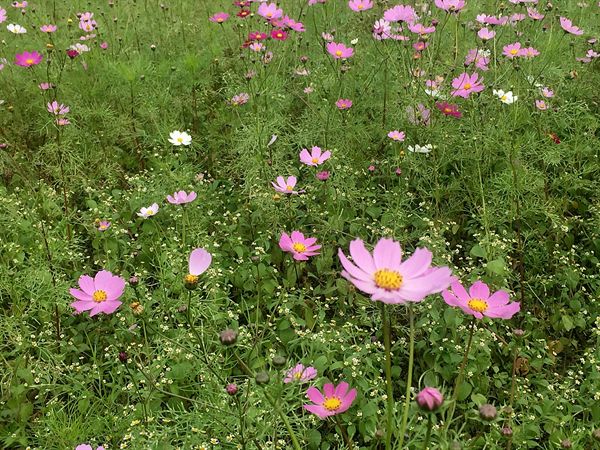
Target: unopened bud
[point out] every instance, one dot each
(228, 336)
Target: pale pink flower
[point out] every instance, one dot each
(479, 303)
(397, 136)
(315, 157)
(57, 109)
(511, 51)
(528, 52)
(286, 186)
(450, 5)
(3, 15)
(219, 17)
(99, 294)
(181, 197)
(485, 34)
(269, 11)
(400, 13)
(300, 374)
(535, 14)
(48, 28)
(360, 5)
(198, 263)
(541, 105)
(546, 92)
(299, 246)
(568, 26)
(343, 104)
(339, 51)
(420, 29)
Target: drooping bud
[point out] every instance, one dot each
(228, 336)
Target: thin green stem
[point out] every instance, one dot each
(388, 377)
(344, 433)
(411, 356)
(428, 435)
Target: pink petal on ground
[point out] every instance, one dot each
(199, 261)
(86, 283)
(417, 264)
(479, 290)
(314, 395)
(387, 254)
(361, 256)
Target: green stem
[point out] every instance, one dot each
(459, 379)
(344, 433)
(388, 377)
(428, 435)
(411, 356)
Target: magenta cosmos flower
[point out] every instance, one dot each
(448, 109)
(466, 84)
(344, 103)
(568, 26)
(270, 11)
(334, 399)
(479, 303)
(28, 59)
(315, 157)
(300, 374)
(430, 399)
(339, 51)
(285, 186)
(299, 246)
(387, 278)
(450, 5)
(99, 294)
(181, 197)
(57, 109)
(198, 262)
(219, 17)
(360, 5)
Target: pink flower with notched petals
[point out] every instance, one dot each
(334, 399)
(548, 93)
(400, 13)
(48, 28)
(397, 136)
(99, 294)
(479, 303)
(315, 157)
(479, 58)
(568, 26)
(466, 84)
(450, 5)
(300, 374)
(343, 104)
(535, 14)
(420, 29)
(541, 105)
(286, 186)
(512, 51)
(485, 34)
(528, 52)
(387, 278)
(181, 197)
(339, 51)
(219, 17)
(269, 11)
(360, 5)
(57, 109)
(299, 246)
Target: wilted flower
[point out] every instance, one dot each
(99, 294)
(86, 446)
(334, 399)
(299, 246)
(231, 389)
(300, 374)
(487, 412)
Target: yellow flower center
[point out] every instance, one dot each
(503, 98)
(99, 296)
(332, 403)
(29, 61)
(361, 6)
(299, 248)
(220, 19)
(447, 110)
(279, 35)
(315, 160)
(388, 279)
(179, 139)
(514, 51)
(338, 53)
(150, 212)
(269, 15)
(289, 188)
(468, 86)
(477, 304)
(191, 279)
(342, 105)
(298, 375)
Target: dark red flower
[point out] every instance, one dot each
(554, 137)
(243, 13)
(448, 109)
(72, 53)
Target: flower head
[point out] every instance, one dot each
(387, 278)
(449, 110)
(279, 35)
(512, 51)
(270, 11)
(397, 136)
(99, 294)
(339, 51)
(28, 59)
(179, 138)
(508, 98)
(479, 303)
(430, 399)
(484, 34)
(57, 109)
(334, 399)
(149, 211)
(344, 103)
(219, 17)
(239, 99)
(48, 28)
(285, 186)
(466, 84)
(300, 374)
(568, 26)
(360, 5)
(181, 197)
(323, 176)
(450, 5)
(315, 157)
(541, 105)
(102, 225)
(400, 13)
(299, 246)
(16, 29)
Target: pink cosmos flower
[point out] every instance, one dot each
(315, 157)
(313, 2)
(450, 5)
(400, 13)
(61, 122)
(381, 29)
(87, 25)
(87, 447)
(339, 51)
(181, 198)
(535, 14)
(491, 20)
(479, 303)
(256, 47)
(57, 109)
(449, 110)
(257, 36)
(299, 246)
(479, 58)
(219, 17)
(420, 46)
(45, 86)
(511, 51)
(430, 399)
(300, 374)
(343, 104)
(485, 34)
(515, 18)
(397, 136)
(466, 84)
(568, 26)
(270, 11)
(323, 176)
(99, 294)
(420, 115)
(387, 278)
(360, 5)
(528, 52)
(279, 35)
(198, 262)
(2, 15)
(541, 105)
(548, 93)
(334, 399)
(239, 99)
(28, 59)
(420, 29)
(19, 4)
(48, 28)
(286, 186)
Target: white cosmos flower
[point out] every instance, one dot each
(80, 48)
(149, 211)
(420, 148)
(506, 97)
(180, 138)
(17, 29)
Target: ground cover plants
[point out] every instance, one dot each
(310, 224)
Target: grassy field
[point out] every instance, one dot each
(494, 180)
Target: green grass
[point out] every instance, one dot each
(497, 200)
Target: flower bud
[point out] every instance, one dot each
(231, 389)
(488, 412)
(518, 332)
(566, 443)
(261, 378)
(134, 281)
(123, 357)
(430, 399)
(379, 434)
(228, 336)
(506, 431)
(279, 361)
